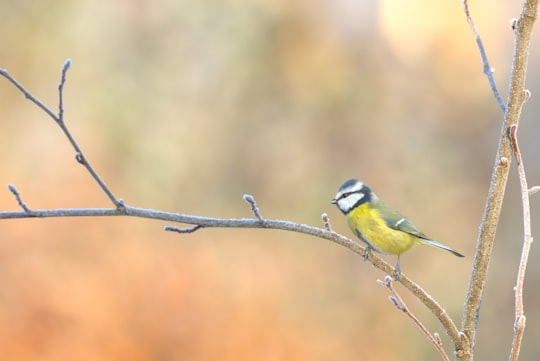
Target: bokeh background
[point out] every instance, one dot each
(184, 106)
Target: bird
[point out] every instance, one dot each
(382, 228)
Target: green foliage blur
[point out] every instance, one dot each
(184, 106)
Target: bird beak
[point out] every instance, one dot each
(333, 201)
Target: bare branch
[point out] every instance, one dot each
(488, 70)
(519, 323)
(17, 195)
(522, 32)
(60, 121)
(27, 94)
(400, 305)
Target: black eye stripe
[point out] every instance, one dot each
(346, 194)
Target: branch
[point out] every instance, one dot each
(488, 70)
(516, 98)
(197, 222)
(439, 312)
(18, 198)
(400, 305)
(519, 323)
(207, 222)
(59, 119)
(122, 209)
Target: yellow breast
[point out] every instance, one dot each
(368, 225)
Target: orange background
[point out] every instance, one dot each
(184, 106)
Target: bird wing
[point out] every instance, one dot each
(397, 221)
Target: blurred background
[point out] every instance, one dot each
(184, 106)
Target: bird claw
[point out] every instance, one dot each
(367, 253)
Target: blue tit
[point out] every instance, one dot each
(382, 228)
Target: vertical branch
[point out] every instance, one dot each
(488, 227)
(65, 68)
(519, 323)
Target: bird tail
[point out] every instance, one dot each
(440, 245)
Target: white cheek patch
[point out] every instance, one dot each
(347, 203)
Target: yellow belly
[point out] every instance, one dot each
(371, 228)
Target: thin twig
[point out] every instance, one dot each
(182, 230)
(17, 195)
(519, 323)
(488, 70)
(59, 119)
(65, 67)
(254, 209)
(400, 305)
(27, 94)
(326, 221)
(437, 338)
